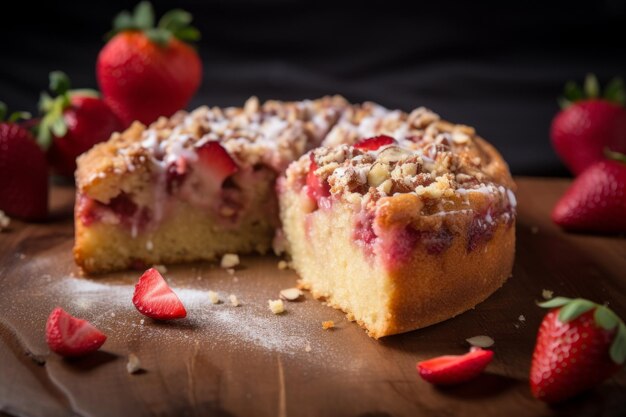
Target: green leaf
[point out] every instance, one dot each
(123, 21)
(3, 110)
(618, 347)
(45, 102)
(555, 302)
(592, 87)
(59, 82)
(58, 127)
(614, 91)
(605, 318)
(175, 19)
(44, 137)
(143, 16)
(23, 115)
(616, 156)
(575, 308)
(85, 92)
(159, 36)
(188, 34)
(573, 92)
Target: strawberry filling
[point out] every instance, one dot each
(317, 188)
(372, 144)
(120, 210)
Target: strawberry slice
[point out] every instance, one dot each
(155, 299)
(316, 187)
(70, 336)
(371, 144)
(455, 369)
(215, 164)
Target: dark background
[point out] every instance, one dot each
(498, 66)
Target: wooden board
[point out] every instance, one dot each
(236, 361)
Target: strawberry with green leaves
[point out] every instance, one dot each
(579, 345)
(145, 71)
(72, 122)
(23, 170)
(589, 123)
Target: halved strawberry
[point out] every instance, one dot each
(215, 164)
(316, 186)
(455, 369)
(70, 336)
(371, 144)
(155, 299)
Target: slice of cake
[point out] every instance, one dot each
(194, 186)
(399, 232)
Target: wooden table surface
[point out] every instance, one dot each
(239, 361)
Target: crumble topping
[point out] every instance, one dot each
(233, 300)
(229, 261)
(214, 297)
(276, 306)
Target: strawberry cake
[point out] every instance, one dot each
(401, 220)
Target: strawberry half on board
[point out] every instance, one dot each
(155, 299)
(23, 170)
(579, 345)
(589, 123)
(70, 336)
(145, 71)
(596, 200)
(72, 122)
(455, 369)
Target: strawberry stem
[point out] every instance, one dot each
(13, 117)
(175, 23)
(616, 156)
(613, 92)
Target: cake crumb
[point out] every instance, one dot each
(161, 268)
(214, 297)
(307, 348)
(142, 321)
(230, 271)
(521, 318)
(480, 341)
(547, 294)
(329, 324)
(4, 221)
(276, 306)
(112, 314)
(229, 260)
(149, 245)
(235, 279)
(22, 256)
(282, 265)
(290, 294)
(534, 230)
(134, 364)
(233, 300)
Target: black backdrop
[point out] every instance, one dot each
(496, 65)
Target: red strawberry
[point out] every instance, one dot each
(215, 165)
(73, 122)
(155, 299)
(579, 345)
(588, 124)
(371, 144)
(596, 200)
(23, 172)
(71, 336)
(455, 369)
(316, 186)
(146, 72)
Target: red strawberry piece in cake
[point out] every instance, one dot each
(372, 144)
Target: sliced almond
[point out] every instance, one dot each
(290, 294)
(481, 341)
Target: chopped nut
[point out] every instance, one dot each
(521, 318)
(547, 294)
(283, 265)
(328, 324)
(4, 221)
(229, 260)
(480, 341)
(161, 268)
(233, 300)
(214, 297)
(377, 174)
(460, 137)
(307, 347)
(134, 364)
(276, 306)
(290, 294)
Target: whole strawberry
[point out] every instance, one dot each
(579, 345)
(72, 123)
(589, 123)
(596, 200)
(146, 72)
(23, 171)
